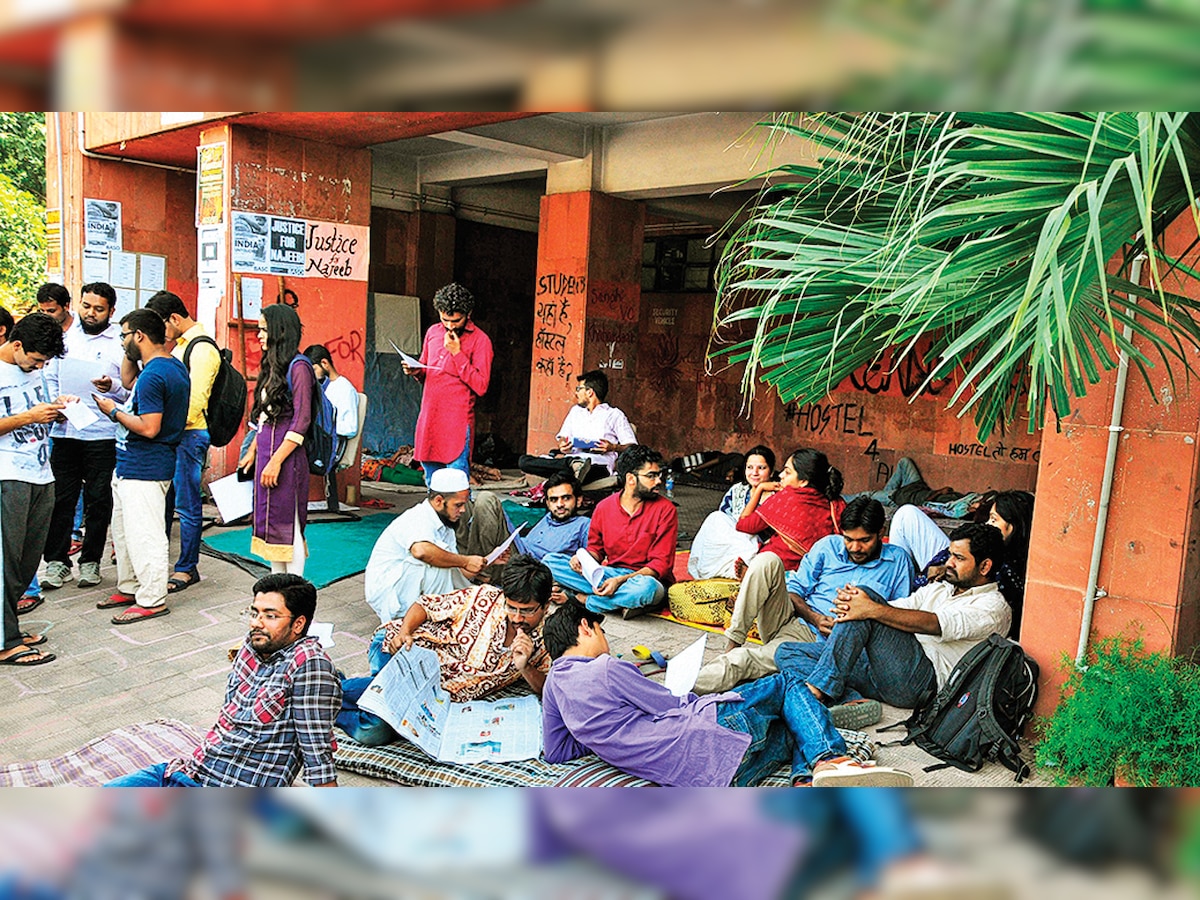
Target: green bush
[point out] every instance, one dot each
(1128, 708)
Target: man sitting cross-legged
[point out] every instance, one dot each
(633, 535)
(280, 703)
(486, 638)
(594, 703)
(798, 606)
(902, 653)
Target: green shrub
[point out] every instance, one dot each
(1128, 708)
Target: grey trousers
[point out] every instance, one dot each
(763, 601)
(486, 529)
(24, 523)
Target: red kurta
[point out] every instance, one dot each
(451, 385)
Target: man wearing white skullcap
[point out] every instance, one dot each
(418, 553)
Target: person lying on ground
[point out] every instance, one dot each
(593, 703)
(486, 638)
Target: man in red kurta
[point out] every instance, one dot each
(457, 356)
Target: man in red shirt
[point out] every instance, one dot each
(632, 538)
(457, 356)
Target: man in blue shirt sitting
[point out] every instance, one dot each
(799, 607)
(560, 530)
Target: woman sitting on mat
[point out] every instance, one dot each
(718, 545)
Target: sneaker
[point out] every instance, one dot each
(855, 715)
(581, 466)
(89, 574)
(842, 771)
(57, 574)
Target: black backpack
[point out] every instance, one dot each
(320, 441)
(982, 711)
(227, 401)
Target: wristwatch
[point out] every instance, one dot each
(112, 413)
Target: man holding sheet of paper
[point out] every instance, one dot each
(457, 360)
(631, 541)
(485, 637)
(591, 436)
(83, 458)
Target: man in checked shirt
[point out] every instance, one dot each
(280, 704)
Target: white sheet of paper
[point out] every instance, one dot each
(408, 360)
(152, 272)
(126, 303)
(323, 632)
(495, 554)
(234, 498)
(252, 297)
(684, 667)
(80, 415)
(122, 268)
(592, 570)
(95, 265)
(75, 376)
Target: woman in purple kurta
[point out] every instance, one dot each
(280, 462)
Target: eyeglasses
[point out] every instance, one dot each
(651, 476)
(249, 614)
(125, 334)
(522, 612)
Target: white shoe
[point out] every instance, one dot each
(846, 772)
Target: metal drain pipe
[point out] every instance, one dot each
(1110, 464)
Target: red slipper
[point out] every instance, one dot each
(28, 604)
(140, 613)
(116, 600)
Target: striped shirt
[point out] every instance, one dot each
(277, 719)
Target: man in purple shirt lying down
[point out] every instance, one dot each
(594, 703)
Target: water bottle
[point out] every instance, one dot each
(670, 483)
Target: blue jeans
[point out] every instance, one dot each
(784, 721)
(638, 591)
(463, 463)
(904, 474)
(366, 728)
(153, 776)
(875, 660)
(189, 468)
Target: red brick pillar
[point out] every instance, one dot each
(1150, 572)
(586, 303)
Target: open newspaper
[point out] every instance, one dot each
(407, 694)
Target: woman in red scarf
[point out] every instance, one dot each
(802, 507)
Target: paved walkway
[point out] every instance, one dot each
(176, 666)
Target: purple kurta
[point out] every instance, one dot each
(276, 509)
(608, 707)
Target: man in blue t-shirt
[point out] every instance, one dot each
(149, 427)
(798, 607)
(561, 530)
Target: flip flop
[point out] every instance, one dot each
(115, 601)
(27, 652)
(32, 640)
(139, 614)
(176, 584)
(29, 604)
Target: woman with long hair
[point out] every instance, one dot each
(718, 545)
(799, 509)
(282, 410)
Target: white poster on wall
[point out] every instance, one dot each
(102, 224)
(250, 242)
(210, 274)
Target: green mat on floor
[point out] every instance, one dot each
(336, 550)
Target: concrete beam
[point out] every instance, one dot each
(476, 166)
(543, 137)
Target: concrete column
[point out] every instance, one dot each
(587, 299)
(1150, 571)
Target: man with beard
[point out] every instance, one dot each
(84, 459)
(486, 638)
(151, 425)
(632, 536)
(418, 553)
(561, 530)
(281, 700)
(902, 653)
(799, 606)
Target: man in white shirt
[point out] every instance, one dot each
(344, 397)
(902, 653)
(591, 436)
(85, 459)
(418, 553)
